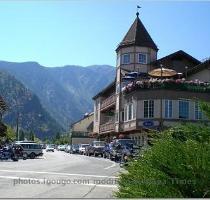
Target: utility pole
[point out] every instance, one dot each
(17, 126)
(161, 103)
(186, 68)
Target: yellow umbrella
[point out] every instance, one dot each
(162, 72)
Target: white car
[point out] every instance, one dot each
(61, 147)
(82, 148)
(68, 148)
(31, 149)
(50, 148)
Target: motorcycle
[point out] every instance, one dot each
(8, 153)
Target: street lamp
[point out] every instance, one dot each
(186, 68)
(161, 102)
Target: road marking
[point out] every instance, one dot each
(113, 165)
(43, 181)
(58, 173)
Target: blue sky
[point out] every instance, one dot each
(86, 32)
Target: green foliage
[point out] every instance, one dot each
(177, 165)
(205, 107)
(11, 136)
(8, 136)
(58, 136)
(60, 139)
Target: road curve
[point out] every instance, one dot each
(59, 175)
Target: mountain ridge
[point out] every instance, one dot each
(65, 92)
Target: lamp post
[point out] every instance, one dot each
(186, 68)
(161, 102)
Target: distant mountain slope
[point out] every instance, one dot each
(66, 92)
(32, 114)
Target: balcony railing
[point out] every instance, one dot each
(108, 127)
(179, 84)
(108, 101)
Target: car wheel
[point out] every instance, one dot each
(25, 156)
(32, 155)
(111, 157)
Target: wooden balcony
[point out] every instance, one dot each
(108, 127)
(108, 102)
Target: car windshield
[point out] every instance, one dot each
(98, 143)
(84, 145)
(128, 142)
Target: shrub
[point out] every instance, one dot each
(177, 165)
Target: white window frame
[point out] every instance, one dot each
(123, 61)
(140, 62)
(118, 60)
(197, 112)
(168, 113)
(129, 107)
(125, 113)
(149, 109)
(184, 100)
(130, 111)
(122, 115)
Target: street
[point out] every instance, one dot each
(59, 175)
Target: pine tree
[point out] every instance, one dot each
(21, 135)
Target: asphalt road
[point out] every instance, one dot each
(59, 175)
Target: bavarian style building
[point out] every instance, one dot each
(136, 102)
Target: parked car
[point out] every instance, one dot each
(107, 149)
(82, 148)
(96, 148)
(31, 149)
(74, 149)
(50, 148)
(61, 148)
(123, 149)
(8, 152)
(68, 148)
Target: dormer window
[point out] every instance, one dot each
(142, 58)
(126, 59)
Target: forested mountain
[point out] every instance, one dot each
(23, 103)
(65, 92)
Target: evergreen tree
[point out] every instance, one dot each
(21, 135)
(32, 136)
(58, 136)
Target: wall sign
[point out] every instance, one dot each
(148, 123)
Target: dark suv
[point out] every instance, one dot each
(122, 149)
(96, 148)
(107, 150)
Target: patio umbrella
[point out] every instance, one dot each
(132, 74)
(162, 72)
(128, 78)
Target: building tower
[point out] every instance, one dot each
(134, 54)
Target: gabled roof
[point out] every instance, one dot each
(176, 55)
(110, 86)
(137, 35)
(85, 116)
(199, 67)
